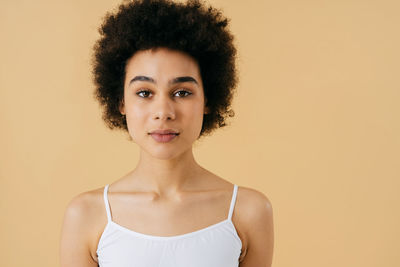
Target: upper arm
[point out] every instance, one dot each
(74, 245)
(260, 232)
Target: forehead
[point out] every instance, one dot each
(162, 62)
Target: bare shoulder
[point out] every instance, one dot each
(82, 203)
(255, 221)
(83, 206)
(253, 204)
(84, 218)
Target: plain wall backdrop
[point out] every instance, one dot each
(316, 129)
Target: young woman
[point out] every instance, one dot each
(165, 73)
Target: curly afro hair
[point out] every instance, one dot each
(192, 28)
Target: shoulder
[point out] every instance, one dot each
(255, 222)
(83, 205)
(253, 203)
(84, 220)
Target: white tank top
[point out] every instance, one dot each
(217, 245)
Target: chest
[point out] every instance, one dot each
(217, 245)
(162, 217)
(144, 225)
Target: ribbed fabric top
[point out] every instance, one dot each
(217, 245)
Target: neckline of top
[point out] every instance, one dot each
(132, 232)
(156, 237)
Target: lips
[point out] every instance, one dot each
(164, 135)
(166, 131)
(164, 138)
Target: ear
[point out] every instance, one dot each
(206, 108)
(122, 107)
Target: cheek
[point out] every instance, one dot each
(196, 116)
(136, 122)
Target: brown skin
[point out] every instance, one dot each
(167, 185)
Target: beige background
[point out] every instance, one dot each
(316, 129)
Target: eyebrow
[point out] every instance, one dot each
(183, 80)
(173, 81)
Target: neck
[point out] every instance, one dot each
(166, 176)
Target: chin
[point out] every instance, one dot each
(164, 155)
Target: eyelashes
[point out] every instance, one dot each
(140, 93)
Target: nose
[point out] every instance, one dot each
(164, 109)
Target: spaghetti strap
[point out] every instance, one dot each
(107, 204)
(235, 188)
(212, 246)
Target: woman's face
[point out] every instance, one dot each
(163, 90)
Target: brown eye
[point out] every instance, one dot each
(142, 91)
(185, 92)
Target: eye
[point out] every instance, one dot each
(142, 91)
(188, 93)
